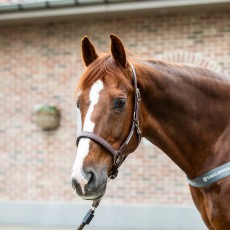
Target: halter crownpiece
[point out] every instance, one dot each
(119, 155)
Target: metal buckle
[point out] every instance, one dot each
(138, 95)
(137, 124)
(138, 127)
(117, 159)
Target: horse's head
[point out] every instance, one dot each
(106, 102)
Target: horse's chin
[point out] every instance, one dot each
(95, 195)
(93, 198)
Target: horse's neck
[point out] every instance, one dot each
(182, 118)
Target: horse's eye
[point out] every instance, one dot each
(119, 103)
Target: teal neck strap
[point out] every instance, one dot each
(211, 176)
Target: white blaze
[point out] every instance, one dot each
(83, 146)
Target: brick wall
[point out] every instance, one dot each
(41, 63)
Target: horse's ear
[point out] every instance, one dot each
(117, 50)
(88, 51)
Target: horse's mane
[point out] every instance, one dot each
(210, 82)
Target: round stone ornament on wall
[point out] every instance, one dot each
(47, 117)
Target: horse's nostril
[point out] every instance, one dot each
(90, 177)
(75, 184)
(84, 181)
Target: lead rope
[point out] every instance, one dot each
(89, 215)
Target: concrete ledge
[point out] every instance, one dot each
(107, 216)
(102, 10)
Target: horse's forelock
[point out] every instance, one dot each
(102, 66)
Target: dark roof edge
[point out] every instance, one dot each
(49, 12)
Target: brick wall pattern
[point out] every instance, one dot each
(41, 63)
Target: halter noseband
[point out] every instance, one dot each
(119, 155)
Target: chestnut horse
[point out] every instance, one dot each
(184, 110)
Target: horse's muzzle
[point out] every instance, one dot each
(93, 189)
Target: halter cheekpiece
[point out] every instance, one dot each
(119, 155)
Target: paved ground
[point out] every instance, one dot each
(34, 228)
(30, 228)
